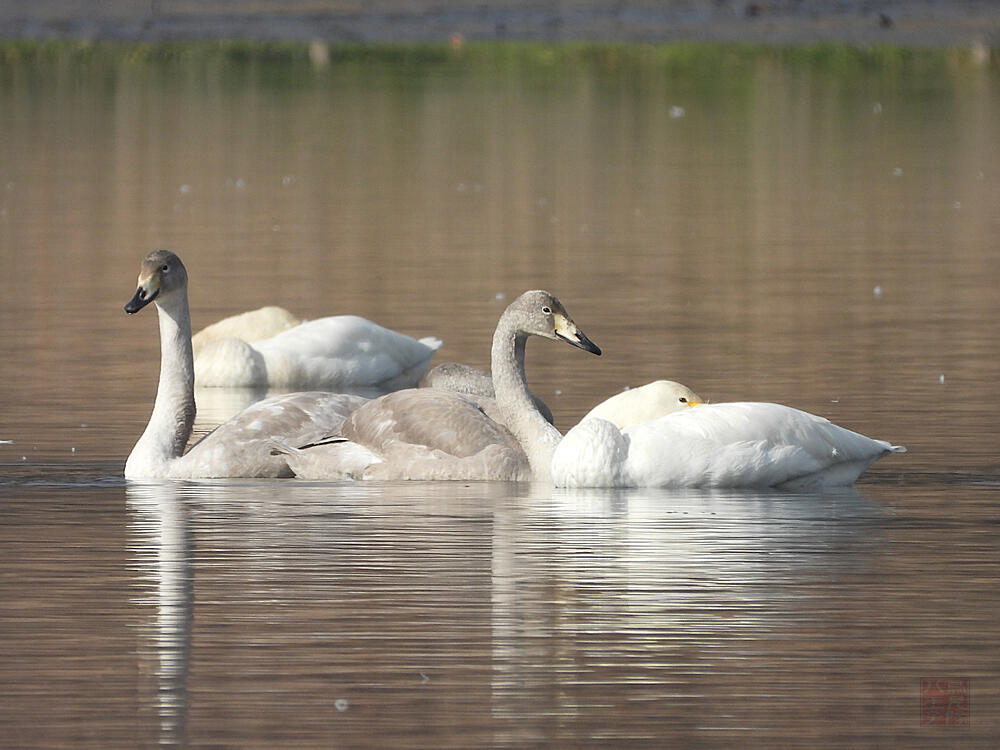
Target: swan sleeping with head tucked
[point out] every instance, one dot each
(427, 433)
(644, 403)
(716, 445)
(271, 348)
(251, 325)
(240, 447)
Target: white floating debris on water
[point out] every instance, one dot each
(287, 180)
(677, 112)
(10, 185)
(6, 442)
(72, 450)
(185, 189)
(940, 379)
(558, 392)
(276, 227)
(341, 704)
(499, 296)
(834, 400)
(957, 204)
(241, 183)
(85, 425)
(877, 291)
(462, 187)
(898, 171)
(877, 108)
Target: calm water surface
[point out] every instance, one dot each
(766, 230)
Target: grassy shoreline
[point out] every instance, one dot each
(611, 55)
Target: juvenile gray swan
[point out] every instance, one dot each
(240, 447)
(454, 376)
(428, 433)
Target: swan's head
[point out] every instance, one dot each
(650, 401)
(540, 314)
(671, 394)
(160, 275)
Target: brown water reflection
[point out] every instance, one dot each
(260, 615)
(767, 231)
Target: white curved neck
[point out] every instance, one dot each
(537, 437)
(170, 425)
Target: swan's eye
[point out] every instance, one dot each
(165, 267)
(547, 310)
(683, 400)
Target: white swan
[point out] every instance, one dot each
(428, 433)
(717, 445)
(252, 325)
(240, 447)
(340, 352)
(646, 402)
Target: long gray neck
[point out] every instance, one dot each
(537, 437)
(170, 425)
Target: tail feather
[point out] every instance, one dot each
(280, 447)
(332, 439)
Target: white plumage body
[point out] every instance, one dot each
(338, 352)
(251, 325)
(739, 444)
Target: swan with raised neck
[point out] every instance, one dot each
(163, 280)
(536, 313)
(240, 447)
(427, 433)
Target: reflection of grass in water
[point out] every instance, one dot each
(680, 57)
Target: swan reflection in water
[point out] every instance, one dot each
(163, 548)
(656, 590)
(526, 589)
